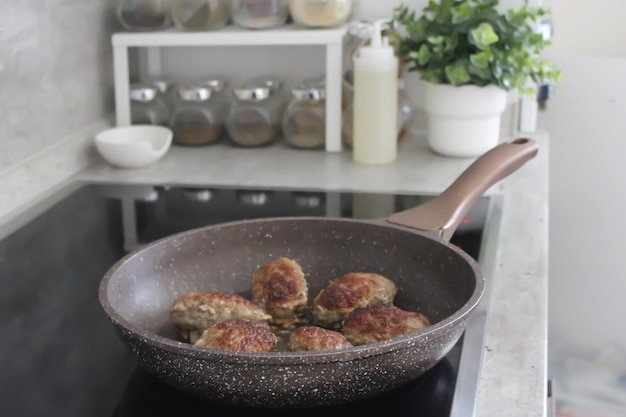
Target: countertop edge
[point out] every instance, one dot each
(32, 185)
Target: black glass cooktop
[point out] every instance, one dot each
(61, 357)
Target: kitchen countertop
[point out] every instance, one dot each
(514, 372)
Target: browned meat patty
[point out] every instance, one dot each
(279, 287)
(313, 338)
(238, 335)
(200, 310)
(381, 322)
(350, 291)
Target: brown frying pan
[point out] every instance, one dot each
(411, 248)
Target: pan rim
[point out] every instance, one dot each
(292, 358)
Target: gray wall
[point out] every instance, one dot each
(55, 71)
(585, 120)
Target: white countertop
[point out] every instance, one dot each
(514, 372)
(417, 169)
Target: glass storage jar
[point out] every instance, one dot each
(143, 15)
(260, 14)
(320, 13)
(200, 114)
(255, 116)
(166, 92)
(304, 122)
(146, 107)
(405, 112)
(200, 15)
(357, 36)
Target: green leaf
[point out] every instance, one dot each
(432, 9)
(435, 40)
(434, 76)
(461, 13)
(422, 56)
(457, 73)
(483, 35)
(481, 59)
(445, 10)
(488, 3)
(482, 73)
(421, 28)
(450, 43)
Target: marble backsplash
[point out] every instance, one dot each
(56, 73)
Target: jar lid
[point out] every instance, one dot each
(360, 29)
(257, 90)
(216, 85)
(162, 84)
(310, 90)
(194, 92)
(143, 92)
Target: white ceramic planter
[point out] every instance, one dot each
(463, 121)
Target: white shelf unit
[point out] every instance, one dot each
(331, 39)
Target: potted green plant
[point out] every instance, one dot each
(470, 55)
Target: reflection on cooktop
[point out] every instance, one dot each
(428, 396)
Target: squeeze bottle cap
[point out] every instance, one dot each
(379, 48)
(377, 36)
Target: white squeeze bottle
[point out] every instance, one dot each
(375, 137)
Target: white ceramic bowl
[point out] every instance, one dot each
(134, 146)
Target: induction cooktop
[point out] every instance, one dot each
(61, 357)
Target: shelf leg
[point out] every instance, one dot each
(122, 85)
(333, 204)
(334, 53)
(129, 223)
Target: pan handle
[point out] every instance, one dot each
(444, 212)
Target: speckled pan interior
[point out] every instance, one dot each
(433, 278)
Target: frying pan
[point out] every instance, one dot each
(412, 248)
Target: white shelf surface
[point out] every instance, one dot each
(331, 39)
(232, 36)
